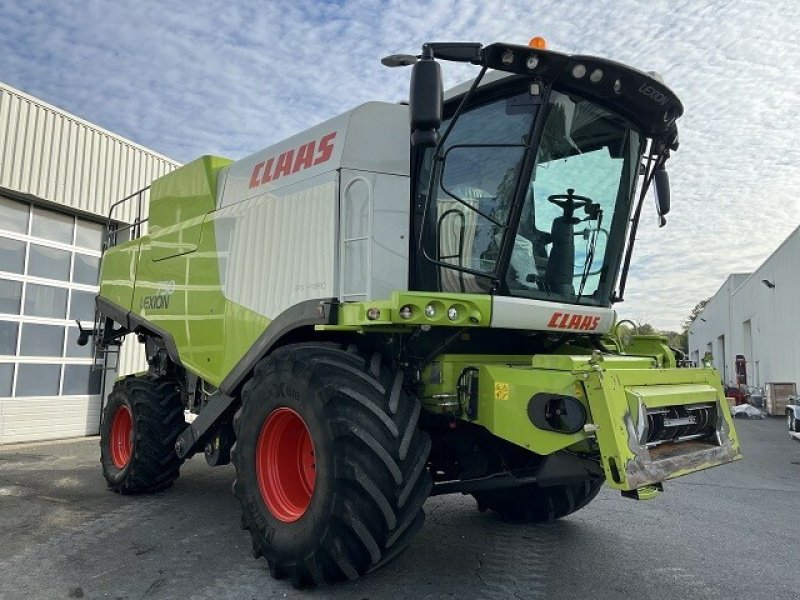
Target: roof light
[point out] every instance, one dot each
(596, 75)
(532, 62)
(538, 42)
(578, 71)
(508, 57)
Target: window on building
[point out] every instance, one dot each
(49, 265)
(14, 215)
(12, 255)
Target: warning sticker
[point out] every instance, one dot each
(500, 391)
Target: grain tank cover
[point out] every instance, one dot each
(373, 137)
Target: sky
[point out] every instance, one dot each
(191, 78)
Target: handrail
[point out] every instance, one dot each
(135, 227)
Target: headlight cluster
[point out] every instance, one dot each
(438, 311)
(595, 76)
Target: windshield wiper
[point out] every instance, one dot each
(587, 263)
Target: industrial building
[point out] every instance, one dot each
(753, 316)
(59, 176)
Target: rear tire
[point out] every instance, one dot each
(532, 503)
(141, 421)
(357, 504)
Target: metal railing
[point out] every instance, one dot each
(105, 344)
(115, 227)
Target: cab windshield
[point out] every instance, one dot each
(544, 220)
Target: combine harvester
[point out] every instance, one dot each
(410, 300)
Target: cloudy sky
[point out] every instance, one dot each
(189, 78)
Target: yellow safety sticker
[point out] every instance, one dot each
(500, 391)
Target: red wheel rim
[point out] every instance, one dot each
(285, 465)
(121, 437)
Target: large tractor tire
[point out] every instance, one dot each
(532, 503)
(330, 464)
(141, 421)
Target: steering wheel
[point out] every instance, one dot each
(569, 202)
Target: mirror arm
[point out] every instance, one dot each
(461, 106)
(649, 170)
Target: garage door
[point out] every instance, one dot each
(48, 279)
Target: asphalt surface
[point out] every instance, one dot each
(731, 532)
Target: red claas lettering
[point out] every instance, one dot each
(580, 322)
(292, 161)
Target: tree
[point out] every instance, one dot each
(675, 339)
(679, 340)
(698, 308)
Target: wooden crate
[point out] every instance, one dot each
(777, 396)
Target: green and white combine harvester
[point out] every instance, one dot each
(409, 300)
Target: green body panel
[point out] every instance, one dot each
(615, 390)
(473, 310)
(118, 273)
(652, 345)
(177, 281)
(179, 203)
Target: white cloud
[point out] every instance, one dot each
(198, 78)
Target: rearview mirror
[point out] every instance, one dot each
(662, 191)
(425, 99)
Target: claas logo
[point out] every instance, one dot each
(573, 321)
(313, 153)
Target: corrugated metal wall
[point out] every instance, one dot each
(53, 156)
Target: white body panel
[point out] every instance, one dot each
(538, 315)
(279, 248)
(348, 141)
(375, 230)
(279, 214)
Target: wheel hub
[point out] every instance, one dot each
(285, 465)
(121, 442)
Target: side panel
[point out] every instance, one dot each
(183, 296)
(179, 203)
(540, 315)
(179, 290)
(279, 248)
(118, 273)
(374, 235)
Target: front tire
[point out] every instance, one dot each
(532, 503)
(330, 464)
(141, 421)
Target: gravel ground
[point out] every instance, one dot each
(731, 532)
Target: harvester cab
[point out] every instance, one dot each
(407, 300)
(544, 136)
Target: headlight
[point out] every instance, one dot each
(578, 71)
